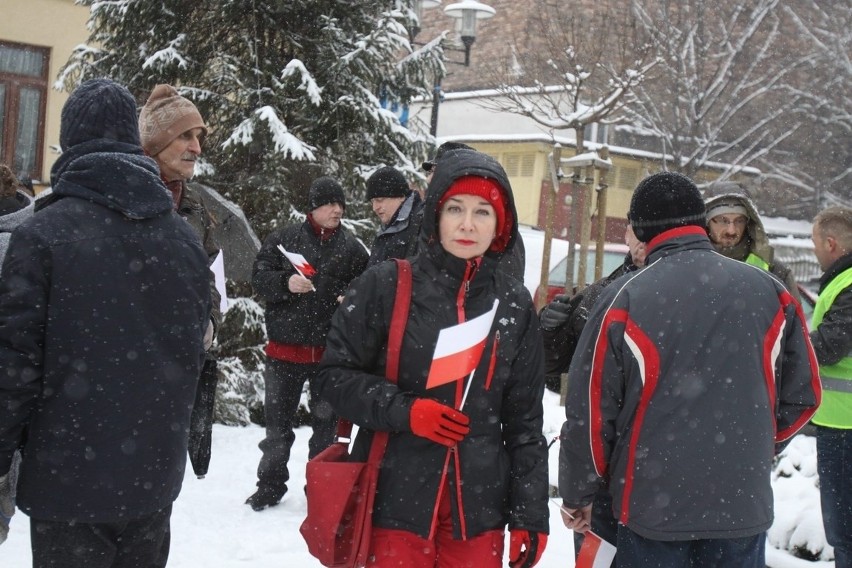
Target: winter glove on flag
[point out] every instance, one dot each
(437, 422)
(557, 312)
(525, 548)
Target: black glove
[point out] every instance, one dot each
(557, 312)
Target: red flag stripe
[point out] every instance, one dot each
(455, 366)
(594, 553)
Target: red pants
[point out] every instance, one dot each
(391, 548)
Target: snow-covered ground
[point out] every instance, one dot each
(211, 525)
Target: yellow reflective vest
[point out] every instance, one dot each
(836, 408)
(755, 260)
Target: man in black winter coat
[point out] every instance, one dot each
(103, 306)
(298, 315)
(399, 210)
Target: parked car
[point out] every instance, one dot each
(613, 257)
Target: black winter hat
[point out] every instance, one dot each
(387, 182)
(443, 149)
(98, 109)
(323, 191)
(664, 201)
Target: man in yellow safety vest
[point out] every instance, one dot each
(832, 341)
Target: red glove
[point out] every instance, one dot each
(437, 422)
(533, 543)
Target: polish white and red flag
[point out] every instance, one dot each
(459, 349)
(301, 265)
(595, 552)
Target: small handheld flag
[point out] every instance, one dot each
(459, 349)
(218, 270)
(301, 265)
(595, 551)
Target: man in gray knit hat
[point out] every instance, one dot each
(736, 231)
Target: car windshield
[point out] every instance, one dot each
(611, 261)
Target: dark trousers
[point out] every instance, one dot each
(284, 382)
(637, 552)
(834, 465)
(139, 543)
(604, 523)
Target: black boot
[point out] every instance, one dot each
(266, 496)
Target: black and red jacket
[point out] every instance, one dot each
(498, 474)
(685, 378)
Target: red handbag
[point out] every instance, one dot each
(340, 492)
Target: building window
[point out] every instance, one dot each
(23, 96)
(519, 165)
(628, 178)
(596, 132)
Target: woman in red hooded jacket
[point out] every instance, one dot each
(452, 477)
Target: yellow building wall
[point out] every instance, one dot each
(61, 26)
(526, 165)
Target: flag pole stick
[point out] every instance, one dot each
(570, 516)
(467, 389)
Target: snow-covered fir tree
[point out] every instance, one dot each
(291, 89)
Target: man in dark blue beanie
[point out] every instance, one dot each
(104, 302)
(688, 375)
(299, 305)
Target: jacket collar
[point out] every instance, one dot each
(836, 268)
(677, 240)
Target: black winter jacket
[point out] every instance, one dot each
(561, 343)
(687, 374)
(303, 319)
(498, 473)
(399, 238)
(103, 305)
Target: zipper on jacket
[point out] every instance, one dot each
(462, 524)
(492, 363)
(451, 453)
(469, 271)
(434, 525)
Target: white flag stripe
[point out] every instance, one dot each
(218, 270)
(465, 335)
(294, 257)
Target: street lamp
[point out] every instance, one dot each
(467, 12)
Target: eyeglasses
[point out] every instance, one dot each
(428, 166)
(739, 222)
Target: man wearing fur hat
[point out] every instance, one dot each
(736, 231)
(299, 307)
(172, 132)
(104, 302)
(688, 374)
(398, 208)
